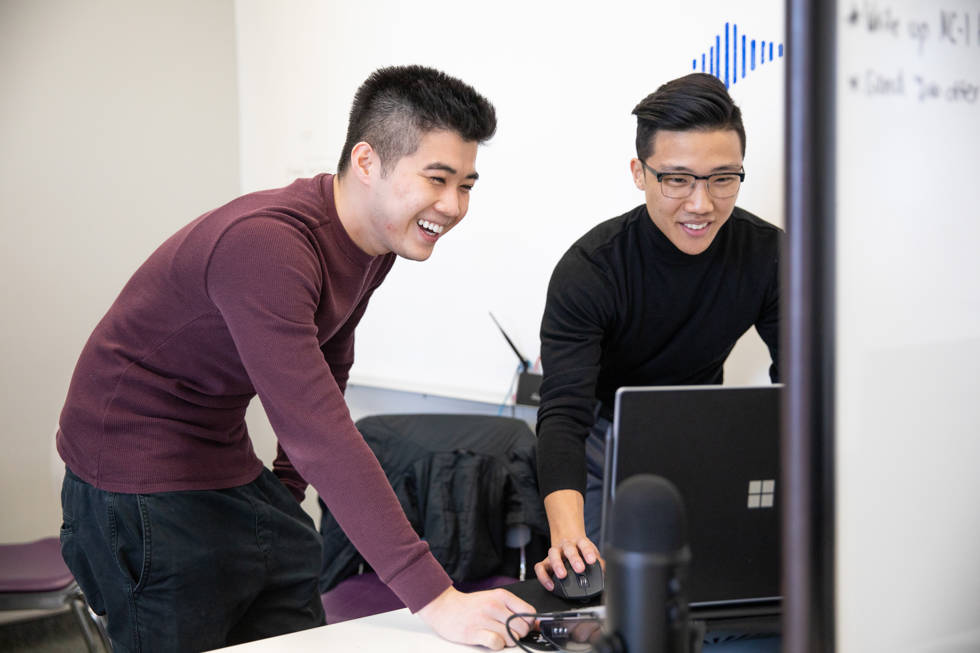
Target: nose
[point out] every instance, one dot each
(699, 201)
(450, 204)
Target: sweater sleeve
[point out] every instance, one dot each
(768, 322)
(577, 310)
(264, 278)
(338, 352)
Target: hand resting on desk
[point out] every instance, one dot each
(476, 618)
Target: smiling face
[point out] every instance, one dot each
(692, 223)
(422, 197)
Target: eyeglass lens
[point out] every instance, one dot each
(681, 185)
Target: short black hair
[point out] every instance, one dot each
(694, 102)
(395, 106)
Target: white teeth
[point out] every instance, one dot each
(696, 226)
(431, 226)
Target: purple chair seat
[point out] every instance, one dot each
(33, 567)
(33, 576)
(364, 595)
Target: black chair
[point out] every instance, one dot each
(468, 486)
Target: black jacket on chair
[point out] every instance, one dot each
(462, 480)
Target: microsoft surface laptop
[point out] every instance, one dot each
(720, 446)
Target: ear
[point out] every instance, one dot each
(364, 162)
(640, 179)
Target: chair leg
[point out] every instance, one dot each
(100, 624)
(91, 626)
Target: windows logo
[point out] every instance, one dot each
(762, 493)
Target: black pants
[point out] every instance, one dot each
(189, 571)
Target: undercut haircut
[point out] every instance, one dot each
(396, 106)
(694, 102)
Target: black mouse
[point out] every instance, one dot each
(579, 587)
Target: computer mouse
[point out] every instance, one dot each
(579, 587)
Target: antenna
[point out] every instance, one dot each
(524, 362)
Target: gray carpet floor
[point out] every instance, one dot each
(57, 633)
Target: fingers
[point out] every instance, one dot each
(498, 606)
(491, 640)
(571, 552)
(542, 571)
(520, 626)
(516, 604)
(578, 553)
(589, 550)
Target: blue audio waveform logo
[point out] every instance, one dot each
(731, 68)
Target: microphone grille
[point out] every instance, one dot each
(648, 516)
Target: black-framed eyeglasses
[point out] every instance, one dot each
(679, 185)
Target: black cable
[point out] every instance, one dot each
(513, 636)
(607, 643)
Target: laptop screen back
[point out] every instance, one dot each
(720, 446)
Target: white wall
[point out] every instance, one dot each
(118, 125)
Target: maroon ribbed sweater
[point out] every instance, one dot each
(260, 296)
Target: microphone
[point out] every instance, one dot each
(646, 568)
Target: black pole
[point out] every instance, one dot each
(808, 268)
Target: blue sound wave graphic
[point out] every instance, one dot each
(728, 69)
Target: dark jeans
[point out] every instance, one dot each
(196, 570)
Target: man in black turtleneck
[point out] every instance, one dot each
(657, 296)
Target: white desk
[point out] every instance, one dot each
(403, 632)
(399, 630)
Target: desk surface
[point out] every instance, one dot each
(404, 632)
(399, 630)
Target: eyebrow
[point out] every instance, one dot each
(451, 170)
(721, 168)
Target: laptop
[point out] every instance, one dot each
(719, 445)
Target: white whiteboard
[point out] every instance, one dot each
(564, 78)
(908, 326)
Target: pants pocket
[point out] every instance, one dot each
(130, 534)
(80, 567)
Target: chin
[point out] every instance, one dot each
(416, 254)
(695, 250)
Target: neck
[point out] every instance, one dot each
(353, 211)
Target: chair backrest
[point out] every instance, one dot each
(462, 480)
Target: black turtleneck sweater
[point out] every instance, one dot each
(626, 308)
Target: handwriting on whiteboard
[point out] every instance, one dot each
(951, 34)
(945, 27)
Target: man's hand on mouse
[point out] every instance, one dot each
(578, 550)
(566, 517)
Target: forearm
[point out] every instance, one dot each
(566, 515)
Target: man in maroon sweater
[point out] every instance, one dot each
(172, 526)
